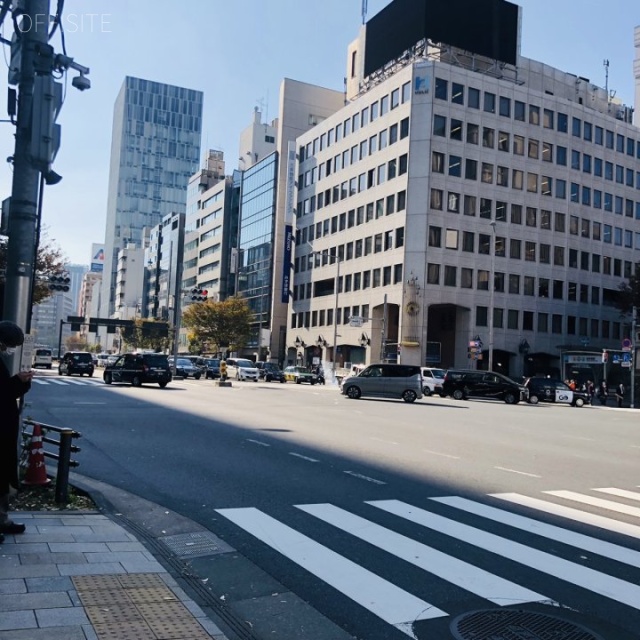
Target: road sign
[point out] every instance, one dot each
(615, 358)
(626, 344)
(626, 360)
(356, 321)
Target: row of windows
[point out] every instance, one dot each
(526, 321)
(368, 180)
(534, 115)
(362, 118)
(353, 217)
(392, 239)
(366, 148)
(210, 217)
(534, 149)
(515, 284)
(517, 179)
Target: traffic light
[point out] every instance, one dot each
(59, 282)
(76, 322)
(45, 133)
(198, 294)
(605, 356)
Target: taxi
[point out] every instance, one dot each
(548, 390)
(299, 375)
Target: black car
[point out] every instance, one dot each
(186, 368)
(80, 362)
(210, 367)
(463, 384)
(548, 390)
(138, 369)
(270, 372)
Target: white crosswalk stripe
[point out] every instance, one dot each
(621, 493)
(597, 502)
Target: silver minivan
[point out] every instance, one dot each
(385, 381)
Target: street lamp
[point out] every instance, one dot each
(492, 291)
(337, 260)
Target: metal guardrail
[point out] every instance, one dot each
(65, 449)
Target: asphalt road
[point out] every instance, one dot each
(381, 514)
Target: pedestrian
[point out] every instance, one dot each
(620, 394)
(572, 385)
(591, 391)
(11, 389)
(604, 392)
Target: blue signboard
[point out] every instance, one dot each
(286, 267)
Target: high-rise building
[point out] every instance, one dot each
(465, 195)
(155, 148)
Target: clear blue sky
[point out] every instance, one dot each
(237, 53)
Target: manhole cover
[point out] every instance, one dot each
(500, 624)
(196, 545)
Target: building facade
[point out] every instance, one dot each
(155, 149)
(457, 200)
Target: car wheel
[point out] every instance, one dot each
(534, 399)
(427, 392)
(90, 374)
(136, 382)
(107, 378)
(162, 385)
(458, 394)
(298, 381)
(268, 378)
(354, 392)
(579, 402)
(510, 398)
(282, 381)
(409, 395)
(48, 366)
(197, 376)
(313, 382)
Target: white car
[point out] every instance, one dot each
(432, 381)
(242, 369)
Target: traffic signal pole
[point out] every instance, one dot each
(23, 211)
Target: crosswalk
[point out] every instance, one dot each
(496, 551)
(67, 381)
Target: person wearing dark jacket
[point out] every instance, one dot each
(11, 389)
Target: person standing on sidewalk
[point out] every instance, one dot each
(620, 394)
(11, 388)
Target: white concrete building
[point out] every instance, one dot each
(446, 172)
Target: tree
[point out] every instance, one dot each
(49, 261)
(629, 293)
(143, 336)
(219, 325)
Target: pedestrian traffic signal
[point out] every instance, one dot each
(59, 282)
(198, 294)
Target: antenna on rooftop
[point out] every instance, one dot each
(364, 11)
(606, 77)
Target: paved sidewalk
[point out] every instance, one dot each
(82, 576)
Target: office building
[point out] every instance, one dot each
(155, 148)
(465, 194)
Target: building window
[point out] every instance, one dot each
(433, 273)
(450, 276)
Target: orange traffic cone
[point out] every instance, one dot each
(36, 474)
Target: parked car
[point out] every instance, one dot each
(547, 390)
(270, 371)
(385, 381)
(102, 359)
(80, 362)
(463, 384)
(241, 369)
(184, 367)
(210, 367)
(432, 381)
(42, 358)
(138, 369)
(299, 375)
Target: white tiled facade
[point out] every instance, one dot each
(534, 178)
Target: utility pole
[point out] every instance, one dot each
(23, 210)
(634, 324)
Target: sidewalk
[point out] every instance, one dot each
(82, 576)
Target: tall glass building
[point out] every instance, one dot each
(155, 148)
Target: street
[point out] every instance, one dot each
(390, 519)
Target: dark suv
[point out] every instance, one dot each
(463, 384)
(210, 366)
(80, 362)
(270, 371)
(138, 369)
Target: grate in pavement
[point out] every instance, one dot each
(196, 545)
(500, 624)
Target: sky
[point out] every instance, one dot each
(237, 52)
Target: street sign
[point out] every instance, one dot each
(626, 344)
(615, 358)
(356, 321)
(626, 360)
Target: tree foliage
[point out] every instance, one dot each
(217, 326)
(49, 261)
(139, 337)
(629, 293)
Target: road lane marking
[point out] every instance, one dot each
(60, 382)
(299, 455)
(38, 381)
(520, 473)
(473, 579)
(382, 598)
(596, 502)
(384, 441)
(624, 592)
(579, 540)
(89, 403)
(621, 493)
(580, 438)
(262, 444)
(576, 515)
(363, 477)
(80, 382)
(444, 455)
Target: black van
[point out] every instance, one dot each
(138, 369)
(463, 384)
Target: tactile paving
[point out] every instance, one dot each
(140, 580)
(125, 631)
(109, 615)
(103, 597)
(96, 582)
(152, 610)
(152, 594)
